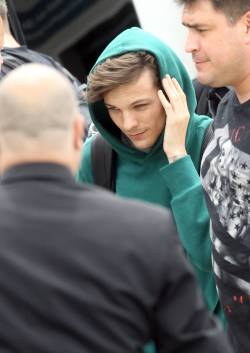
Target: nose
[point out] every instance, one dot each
(130, 122)
(192, 42)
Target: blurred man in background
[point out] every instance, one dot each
(15, 55)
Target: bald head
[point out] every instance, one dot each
(38, 110)
(35, 99)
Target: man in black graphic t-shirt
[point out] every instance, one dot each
(226, 179)
(219, 40)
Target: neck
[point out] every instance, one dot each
(8, 162)
(242, 89)
(9, 41)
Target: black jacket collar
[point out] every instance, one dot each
(39, 171)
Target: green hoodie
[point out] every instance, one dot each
(148, 176)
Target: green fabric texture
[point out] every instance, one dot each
(149, 176)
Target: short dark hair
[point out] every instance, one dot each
(119, 70)
(233, 9)
(3, 10)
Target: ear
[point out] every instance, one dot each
(78, 130)
(246, 21)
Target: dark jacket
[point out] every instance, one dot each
(83, 271)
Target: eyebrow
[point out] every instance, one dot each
(194, 25)
(109, 105)
(139, 101)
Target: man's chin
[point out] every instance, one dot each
(206, 79)
(142, 147)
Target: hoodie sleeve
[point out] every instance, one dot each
(191, 215)
(187, 197)
(84, 173)
(190, 211)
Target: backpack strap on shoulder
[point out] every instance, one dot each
(103, 162)
(207, 138)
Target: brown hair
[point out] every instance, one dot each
(119, 70)
(233, 9)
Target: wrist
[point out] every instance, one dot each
(172, 159)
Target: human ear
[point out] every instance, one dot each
(246, 20)
(78, 129)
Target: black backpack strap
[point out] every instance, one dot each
(103, 162)
(208, 98)
(215, 96)
(207, 138)
(201, 93)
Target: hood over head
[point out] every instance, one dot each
(132, 40)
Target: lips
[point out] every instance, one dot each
(199, 61)
(137, 136)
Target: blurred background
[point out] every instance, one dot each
(75, 32)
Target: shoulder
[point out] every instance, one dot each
(14, 57)
(23, 52)
(197, 127)
(140, 235)
(201, 121)
(195, 137)
(228, 99)
(141, 221)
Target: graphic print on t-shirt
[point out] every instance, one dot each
(227, 183)
(225, 173)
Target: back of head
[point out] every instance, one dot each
(233, 9)
(38, 107)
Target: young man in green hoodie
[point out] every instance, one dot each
(157, 141)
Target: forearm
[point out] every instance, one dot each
(189, 210)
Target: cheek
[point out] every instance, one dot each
(216, 53)
(159, 120)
